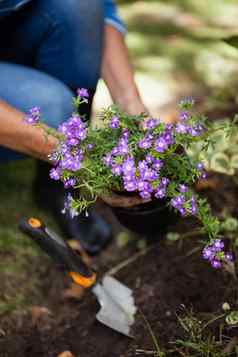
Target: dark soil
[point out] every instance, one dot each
(165, 280)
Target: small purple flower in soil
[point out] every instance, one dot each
(82, 93)
(55, 174)
(114, 123)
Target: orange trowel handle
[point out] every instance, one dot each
(59, 251)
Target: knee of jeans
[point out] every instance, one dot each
(70, 12)
(56, 103)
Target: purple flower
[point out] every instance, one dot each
(55, 174)
(150, 123)
(122, 149)
(125, 134)
(216, 263)
(161, 145)
(107, 159)
(183, 188)
(149, 175)
(82, 93)
(70, 182)
(208, 253)
(72, 142)
(157, 164)
(68, 206)
(144, 186)
(193, 208)
(115, 151)
(149, 159)
(33, 117)
(218, 245)
(183, 116)
(128, 166)
(160, 192)
(200, 166)
(164, 181)
(228, 257)
(114, 123)
(130, 185)
(144, 144)
(90, 146)
(145, 194)
(177, 202)
(116, 169)
(142, 165)
(181, 128)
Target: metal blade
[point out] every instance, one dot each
(117, 305)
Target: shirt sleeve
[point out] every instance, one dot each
(112, 17)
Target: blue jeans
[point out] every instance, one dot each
(48, 49)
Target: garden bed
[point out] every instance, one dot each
(170, 280)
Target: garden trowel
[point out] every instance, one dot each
(116, 300)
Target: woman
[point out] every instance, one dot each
(48, 49)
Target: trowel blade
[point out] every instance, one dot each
(117, 305)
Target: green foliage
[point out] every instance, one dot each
(222, 149)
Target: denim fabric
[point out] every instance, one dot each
(32, 87)
(110, 11)
(61, 38)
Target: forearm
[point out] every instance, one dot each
(118, 74)
(22, 137)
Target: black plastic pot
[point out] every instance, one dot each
(149, 219)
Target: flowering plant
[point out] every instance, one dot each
(136, 154)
